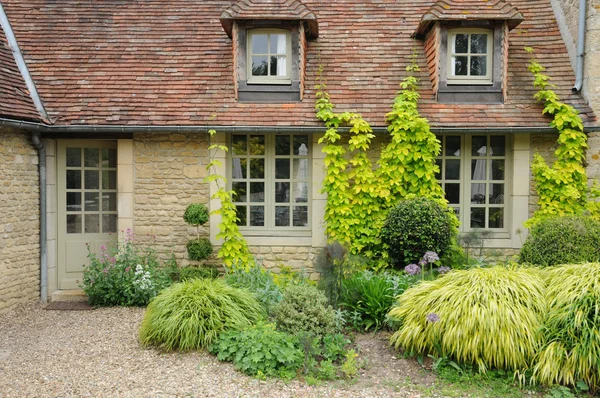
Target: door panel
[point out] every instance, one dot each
(87, 204)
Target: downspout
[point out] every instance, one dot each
(43, 218)
(580, 46)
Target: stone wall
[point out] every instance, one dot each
(299, 259)
(19, 220)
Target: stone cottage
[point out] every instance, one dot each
(105, 108)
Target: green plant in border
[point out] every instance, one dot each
(563, 187)
(196, 214)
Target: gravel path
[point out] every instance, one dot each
(96, 353)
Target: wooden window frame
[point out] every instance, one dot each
(287, 79)
(488, 78)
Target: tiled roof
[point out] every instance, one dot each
(15, 101)
(169, 62)
(470, 10)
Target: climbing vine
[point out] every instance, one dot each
(562, 187)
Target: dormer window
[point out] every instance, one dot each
(470, 56)
(269, 56)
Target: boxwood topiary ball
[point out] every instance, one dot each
(199, 249)
(196, 214)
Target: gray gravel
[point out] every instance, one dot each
(96, 353)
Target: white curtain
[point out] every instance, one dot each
(281, 59)
(237, 168)
(479, 173)
(301, 173)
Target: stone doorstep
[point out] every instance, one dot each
(74, 295)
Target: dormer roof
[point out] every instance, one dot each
(269, 10)
(470, 10)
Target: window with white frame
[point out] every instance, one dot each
(473, 173)
(269, 175)
(269, 56)
(470, 55)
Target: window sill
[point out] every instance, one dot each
(469, 94)
(269, 93)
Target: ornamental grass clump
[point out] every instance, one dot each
(570, 350)
(489, 317)
(190, 315)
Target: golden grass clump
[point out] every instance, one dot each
(489, 317)
(570, 349)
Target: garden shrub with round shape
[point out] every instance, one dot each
(196, 214)
(416, 226)
(304, 309)
(571, 334)
(562, 240)
(489, 317)
(190, 315)
(199, 249)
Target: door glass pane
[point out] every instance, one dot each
(92, 223)
(300, 216)
(241, 215)
(109, 157)
(479, 43)
(453, 169)
(282, 168)
(257, 216)
(239, 145)
(109, 179)
(300, 169)
(109, 223)
(238, 169)
(496, 218)
(74, 201)
(497, 194)
(239, 191)
(257, 192)
(452, 146)
(73, 157)
(479, 146)
(92, 201)
(497, 170)
(282, 216)
(109, 201)
(478, 66)
(452, 193)
(478, 217)
(73, 179)
(478, 193)
(301, 145)
(257, 145)
(282, 145)
(92, 157)
(498, 144)
(257, 168)
(438, 173)
(92, 179)
(478, 169)
(73, 223)
(301, 192)
(282, 192)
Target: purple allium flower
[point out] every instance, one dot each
(431, 257)
(433, 317)
(423, 262)
(412, 269)
(444, 270)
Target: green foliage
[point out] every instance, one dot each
(131, 278)
(190, 315)
(260, 350)
(288, 276)
(570, 351)
(196, 214)
(562, 188)
(334, 347)
(304, 309)
(187, 273)
(350, 365)
(562, 240)
(199, 249)
(488, 317)
(371, 296)
(234, 250)
(416, 226)
(257, 280)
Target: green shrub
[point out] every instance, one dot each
(370, 296)
(131, 278)
(304, 309)
(257, 280)
(489, 317)
(199, 249)
(196, 214)
(562, 240)
(189, 315)
(416, 226)
(260, 350)
(187, 273)
(571, 334)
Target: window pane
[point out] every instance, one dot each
(300, 216)
(73, 179)
(257, 168)
(497, 194)
(453, 169)
(301, 145)
(497, 170)
(259, 44)
(239, 168)
(278, 44)
(241, 215)
(109, 201)
(479, 43)
(478, 193)
(282, 145)
(73, 223)
(282, 216)
(92, 157)
(282, 168)
(461, 44)
(239, 191)
(496, 218)
(459, 66)
(479, 146)
(239, 145)
(453, 193)
(478, 170)
(257, 216)
(282, 192)
(73, 157)
(109, 223)
(109, 158)
(92, 179)
(257, 192)
(478, 217)
(257, 145)
(259, 65)
(278, 66)
(479, 66)
(301, 192)
(109, 179)
(300, 169)
(92, 223)
(452, 146)
(438, 173)
(498, 144)
(92, 201)
(74, 201)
